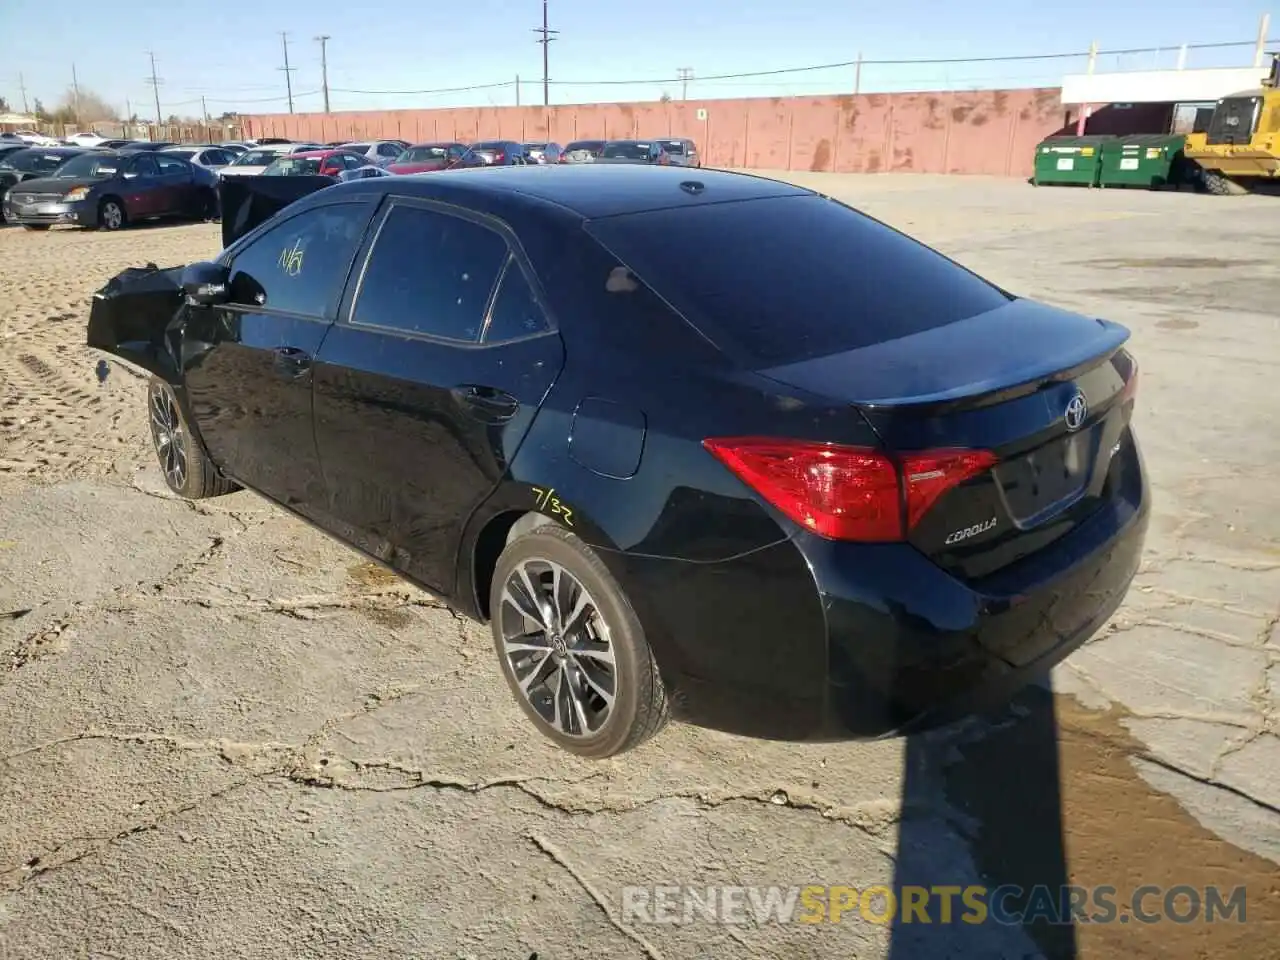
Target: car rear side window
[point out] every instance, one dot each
(784, 279)
(515, 312)
(430, 273)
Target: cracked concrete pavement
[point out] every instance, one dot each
(221, 733)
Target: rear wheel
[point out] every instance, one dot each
(111, 214)
(1221, 186)
(571, 647)
(187, 470)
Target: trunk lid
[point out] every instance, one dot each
(1048, 393)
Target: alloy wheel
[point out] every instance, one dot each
(112, 215)
(169, 436)
(558, 647)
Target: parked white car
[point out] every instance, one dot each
(36, 139)
(86, 138)
(253, 162)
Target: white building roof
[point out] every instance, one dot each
(1160, 86)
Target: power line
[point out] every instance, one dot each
(545, 40)
(155, 86)
(323, 40)
(288, 70)
(390, 93)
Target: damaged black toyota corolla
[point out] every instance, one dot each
(696, 444)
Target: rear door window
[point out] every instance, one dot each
(784, 279)
(430, 273)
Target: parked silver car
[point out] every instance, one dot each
(381, 152)
(208, 156)
(682, 151)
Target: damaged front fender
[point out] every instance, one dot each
(137, 318)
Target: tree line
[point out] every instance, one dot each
(89, 108)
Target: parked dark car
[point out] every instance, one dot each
(137, 145)
(30, 163)
(634, 151)
(539, 152)
(582, 151)
(428, 157)
(494, 153)
(720, 448)
(110, 189)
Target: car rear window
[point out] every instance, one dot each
(784, 279)
(673, 147)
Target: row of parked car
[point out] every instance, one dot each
(95, 182)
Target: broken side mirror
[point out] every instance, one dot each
(206, 284)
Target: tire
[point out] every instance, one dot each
(1221, 186)
(111, 215)
(186, 469)
(606, 627)
(37, 226)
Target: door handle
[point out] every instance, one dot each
(290, 362)
(487, 403)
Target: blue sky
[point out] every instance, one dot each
(230, 50)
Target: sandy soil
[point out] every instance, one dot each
(222, 734)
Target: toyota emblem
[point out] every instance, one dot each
(1076, 411)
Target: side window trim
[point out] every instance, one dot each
(346, 312)
(331, 309)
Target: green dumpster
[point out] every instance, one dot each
(1153, 160)
(1068, 160)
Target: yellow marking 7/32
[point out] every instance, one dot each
(546, 500)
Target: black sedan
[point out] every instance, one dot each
(695, 444)
(634, 151)
(109, 190)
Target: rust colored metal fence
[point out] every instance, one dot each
(982, 132)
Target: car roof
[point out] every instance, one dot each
(587, 190)
(319, 154)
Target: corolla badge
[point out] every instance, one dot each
(1076, 411)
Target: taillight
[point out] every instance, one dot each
(1130, 390)
(499, 157)
(847, 493)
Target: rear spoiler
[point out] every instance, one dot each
(247, 202)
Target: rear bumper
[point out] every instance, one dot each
(814, 640)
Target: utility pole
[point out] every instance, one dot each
(857, 75)
(75, 90)
(204, 110)
(685, 74)
(323, 40)
(547, 36)
(288, 70)
(517, 89)
(22, 85)
(155, 86)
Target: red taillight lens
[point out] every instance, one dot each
(499, 157)
(1130, 390)
(928, 475)
(847, 493)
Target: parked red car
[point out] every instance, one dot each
(425, 157)
(330, 163)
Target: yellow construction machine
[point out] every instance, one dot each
(1241, 146)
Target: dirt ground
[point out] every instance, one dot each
(223, 735)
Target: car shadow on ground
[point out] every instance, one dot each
(982, 806)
